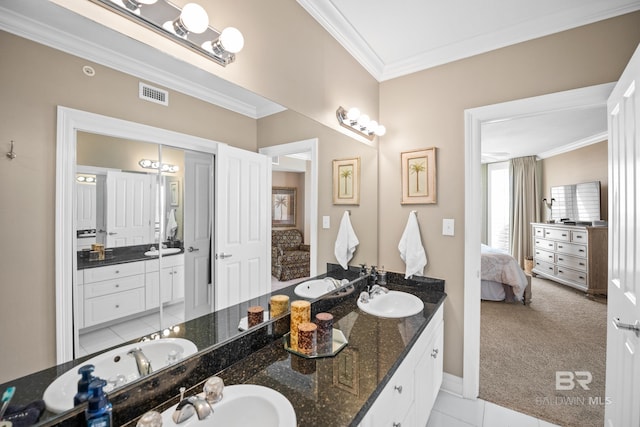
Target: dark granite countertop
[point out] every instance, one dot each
(121, 255)
(376, 348)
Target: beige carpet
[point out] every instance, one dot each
(522, 348)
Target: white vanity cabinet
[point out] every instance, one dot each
(408, 397)
(170, 280)
(112, 292)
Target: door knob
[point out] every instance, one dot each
(192, 249)
(635, 327)
(222, 255)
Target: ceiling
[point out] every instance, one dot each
(392, 39)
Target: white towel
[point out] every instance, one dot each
(172, 225)
(346, 241)
(411, 249)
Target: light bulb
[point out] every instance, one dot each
(372, 126)
(194, 18)
(380, 130)
(145, 163)
(80, 179)
(353, 114)
(363, 121)
(231, 40)
(90, 179)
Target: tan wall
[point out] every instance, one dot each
(290, 126)
(583, 165)
(427, 109)
(293, 180)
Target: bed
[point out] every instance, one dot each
(502, 277)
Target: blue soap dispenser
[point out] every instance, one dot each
(98, 412)
(83, 384)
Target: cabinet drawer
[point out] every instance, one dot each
(538, 231)
(579, 264)
(166, 261)
(579, 236)
(544, 267)
(557, 234)
(571, 249)
(545, 244)
(572, 275)
(112, 271)
(110, 307)
(107, 287)
(545, 256)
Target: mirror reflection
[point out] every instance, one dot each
(132, 217)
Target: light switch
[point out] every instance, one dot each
(326, 222)
(448, 227)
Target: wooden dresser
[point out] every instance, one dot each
(573, 255)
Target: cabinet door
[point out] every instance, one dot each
(428, 376)
(166, 284)
(152, 290)
(178, 282)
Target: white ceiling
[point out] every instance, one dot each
(392, 39)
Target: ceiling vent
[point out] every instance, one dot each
(153, 94)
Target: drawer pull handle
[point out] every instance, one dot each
(117, 271)
(117, 285)
(560, 246)
(578, 237)
(560, 259)
(560, 271)
(398, 388)
(581, 263)
(397, 424)
(564, 235)
(434, 353)
(580, 250)
(117, 306)
(581, 277)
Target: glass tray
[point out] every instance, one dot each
(339, 342)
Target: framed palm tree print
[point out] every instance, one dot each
(419, 176)
(346, 181)
(283, 207)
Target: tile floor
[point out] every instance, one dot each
(453, 411)
(119, 333)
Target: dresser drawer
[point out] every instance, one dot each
(545, 256)
(572, 275)
(579, 264)
(557, 234)
(106, 287)
(579, 236)
(114, 306)
(571, 249)
(538, 232)
(544, 267)
(545, 244)
(112, 271)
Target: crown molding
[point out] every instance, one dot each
(593, 139)
(31, 21)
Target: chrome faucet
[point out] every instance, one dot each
(144, 365)
(366, 296)
(189, 406)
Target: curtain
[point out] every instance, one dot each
(525, 205)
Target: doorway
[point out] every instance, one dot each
(474, 119)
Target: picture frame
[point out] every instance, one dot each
(283, 206)
(418, 176)
(346, 181)
(174, 191)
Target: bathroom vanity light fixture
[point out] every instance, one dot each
(88, 179)
(359, 123)
(154, 164)
(188, 26)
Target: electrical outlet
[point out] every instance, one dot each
(326, 222)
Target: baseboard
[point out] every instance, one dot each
(452, 384)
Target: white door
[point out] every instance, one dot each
(86, 206)
(198, 208)
(129, 201)
(243, 219)
(623, 312)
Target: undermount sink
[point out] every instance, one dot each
(313, 288)
(117, 368)
(163, 251)
(393, 304)
(243, 405)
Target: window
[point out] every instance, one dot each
(498, 192)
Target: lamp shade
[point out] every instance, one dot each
(232, 40)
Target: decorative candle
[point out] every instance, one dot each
(279, 305)
(255, 315)
(325, 332)
(307, 337)
(300, 313)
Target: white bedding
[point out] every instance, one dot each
(498, 266)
